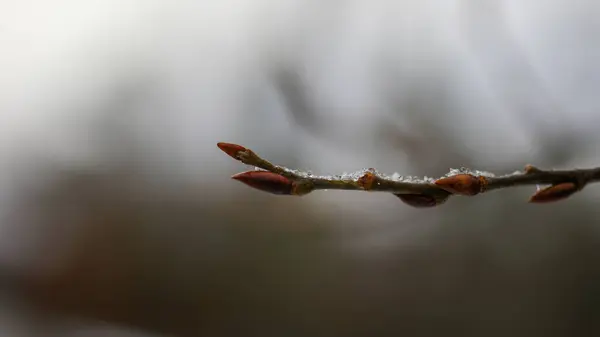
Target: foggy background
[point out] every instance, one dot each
(119, 217)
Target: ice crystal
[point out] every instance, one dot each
(408, 179)
(464, 170)
(356, 175)
(484, 173)
(303, 174)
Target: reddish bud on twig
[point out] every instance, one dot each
(367, 180)
(421, 200)
(464, 184)
(232, 150)
(554, 193)
(266, 181)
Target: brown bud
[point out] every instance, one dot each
(266, 181)
(463, 184)
(367, 180)
(554, 193)
(232, 150)
(422, 200)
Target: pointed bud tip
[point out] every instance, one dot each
(266, 181)
(231, 149)
(240, 176)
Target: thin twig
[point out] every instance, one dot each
(458, 182)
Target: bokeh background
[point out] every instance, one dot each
(118, 216)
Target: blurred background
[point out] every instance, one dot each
(118, 216)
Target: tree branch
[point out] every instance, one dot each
(425, 192)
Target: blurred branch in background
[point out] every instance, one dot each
(418, 112)
(515, 81)
(295, 94)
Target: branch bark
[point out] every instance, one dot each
(416, 192)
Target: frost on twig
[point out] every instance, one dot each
(414, 191)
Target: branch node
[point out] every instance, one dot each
(367, 180)
(302, 187)
(529, 169)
